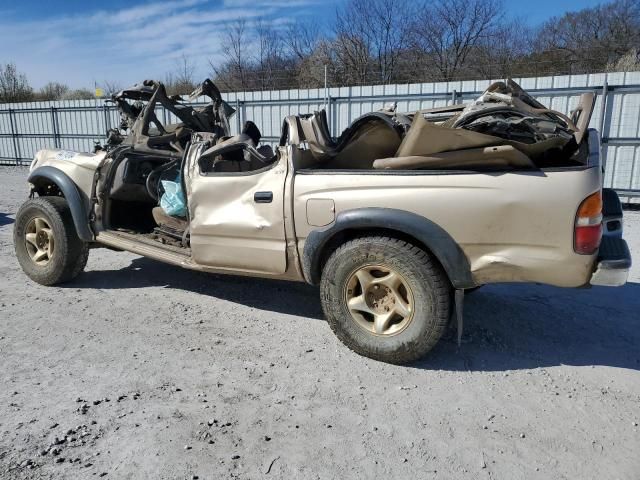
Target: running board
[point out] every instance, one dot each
(168, 254)
(159, 252)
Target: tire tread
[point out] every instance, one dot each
(74, 251)
(423, 262)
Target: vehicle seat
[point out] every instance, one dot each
(369, 137)
(238, 153)
(164, 220)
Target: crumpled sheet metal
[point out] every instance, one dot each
(80, 167)
(426, 138)
(228, 228)
(512, 226)
(495, 157)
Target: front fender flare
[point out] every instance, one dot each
(71, 194)
(428, 233)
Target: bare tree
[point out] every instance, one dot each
(448, 30)
(504, 52)
(79, 94)
(386, 24)
(181, 80)
(269, 57)
(307, 51)
(629, 62)
(169, 83)
(302, 39)
(185, 75)
(371, 35)
(233, 72)
(14, 86)
(351, 46)
(52, 91)
(311, 68)
(111, 87)
(590, 39)
(384, 41)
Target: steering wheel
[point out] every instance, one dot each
(153, 179)
(152, 183)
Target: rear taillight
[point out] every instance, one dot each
(588, 226)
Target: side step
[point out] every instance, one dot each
(145, 247)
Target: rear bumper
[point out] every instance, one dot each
(611, 213)
(613, 263)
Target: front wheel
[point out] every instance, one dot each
(46, 243)
(385, 298)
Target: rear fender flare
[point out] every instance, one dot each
(47, 174)
(426, 232)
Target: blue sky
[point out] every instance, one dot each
(79, 42)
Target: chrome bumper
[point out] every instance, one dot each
(613, 263)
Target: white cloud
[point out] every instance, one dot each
(131, 44)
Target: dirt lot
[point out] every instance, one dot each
(142, 370)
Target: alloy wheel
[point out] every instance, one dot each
(380, 300)
(39, 240)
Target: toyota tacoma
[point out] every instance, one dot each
(394, 219)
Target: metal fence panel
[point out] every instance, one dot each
(78, 124)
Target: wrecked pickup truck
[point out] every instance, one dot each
(394, 219)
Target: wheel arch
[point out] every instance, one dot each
(52, 181)
(407, 226)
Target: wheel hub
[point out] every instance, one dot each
(39, 240)
(379, 299)
(42, 239)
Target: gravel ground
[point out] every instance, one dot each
(143, 370)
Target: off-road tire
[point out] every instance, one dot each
(70, 254)
(430, 288)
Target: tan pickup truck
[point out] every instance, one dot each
(394, 219)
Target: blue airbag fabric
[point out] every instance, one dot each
(172, 201)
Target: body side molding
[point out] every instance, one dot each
(431, 235)
(71, 194)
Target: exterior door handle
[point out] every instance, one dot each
(263, 197)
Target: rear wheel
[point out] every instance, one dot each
(385, 298)
(46, 243)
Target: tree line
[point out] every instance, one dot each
(397, 41)
(14, 87)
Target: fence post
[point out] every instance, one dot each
(349, 102)
(243, 115)
(165, 117)
(603, 125)
(107, 122)
(327, 111)
(16, 148)
(54, 125)
(454, 97)
(603, 108)
(238, 115)
(326, 94)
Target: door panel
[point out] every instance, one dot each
(237, 219)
